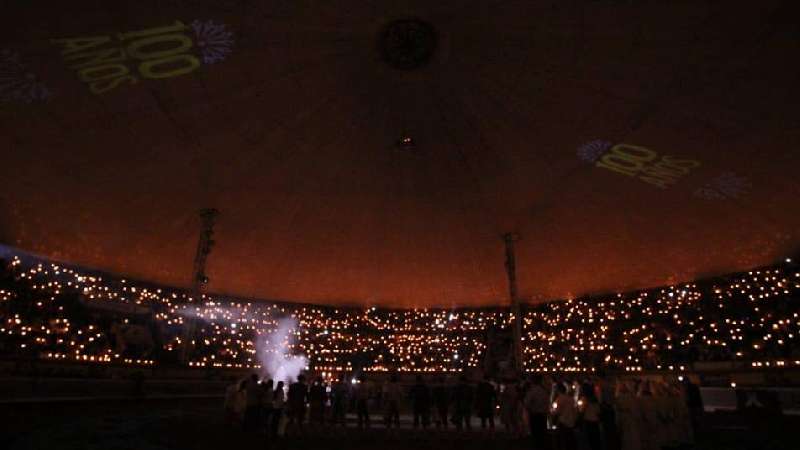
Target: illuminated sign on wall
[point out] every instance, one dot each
(106, 62)
(638, 162)
(659, 170)
(17, 83)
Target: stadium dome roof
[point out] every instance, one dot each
(375, 152)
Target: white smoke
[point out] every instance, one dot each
(273, 352)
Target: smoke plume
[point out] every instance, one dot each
(273, 352)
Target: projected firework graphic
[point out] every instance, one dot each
(592, 151)
(214, 41)
(726, 186)
(17, 84)
(107, 62)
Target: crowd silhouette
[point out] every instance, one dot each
(592, 413)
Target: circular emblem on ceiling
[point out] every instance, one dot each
(407, 43)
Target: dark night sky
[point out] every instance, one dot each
(290, 132)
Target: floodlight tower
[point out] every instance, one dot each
(205, 243)
(511, 270)
(208, 217)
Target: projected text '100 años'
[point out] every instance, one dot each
(647, 165)
(106, 62)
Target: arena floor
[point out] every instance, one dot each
(199, 425)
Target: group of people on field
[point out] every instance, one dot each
(591, 414)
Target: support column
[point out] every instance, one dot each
(511, 270)
(205, 243)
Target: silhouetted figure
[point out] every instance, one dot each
(392, 395)
(298, 395)
(421, 402)
(462, 404)
(537, 404)
(511, 408)
(231, 403)
(589, 410)
(629, 415)
(253, 393)
(339, 401)
(266, 405)
(485, 402)
(317, 397)
(694, 401)
(565, 415)
(441, 400)
(605, 395)
(278, 404)
(362, 392)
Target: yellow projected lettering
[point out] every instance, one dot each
(111, 55)
(107, 62)
(634, 152)
(104, 72)
(99, 87)
(139, 49)
(171, 66)
(646, 165)
(81, 44)
(611, 163)
(177, 26)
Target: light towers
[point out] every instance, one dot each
(511, 270)
(208, 216)
(205, 243)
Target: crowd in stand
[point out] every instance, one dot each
(49, 311)
(592, 413)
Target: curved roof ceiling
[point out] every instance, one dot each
(630, 144)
